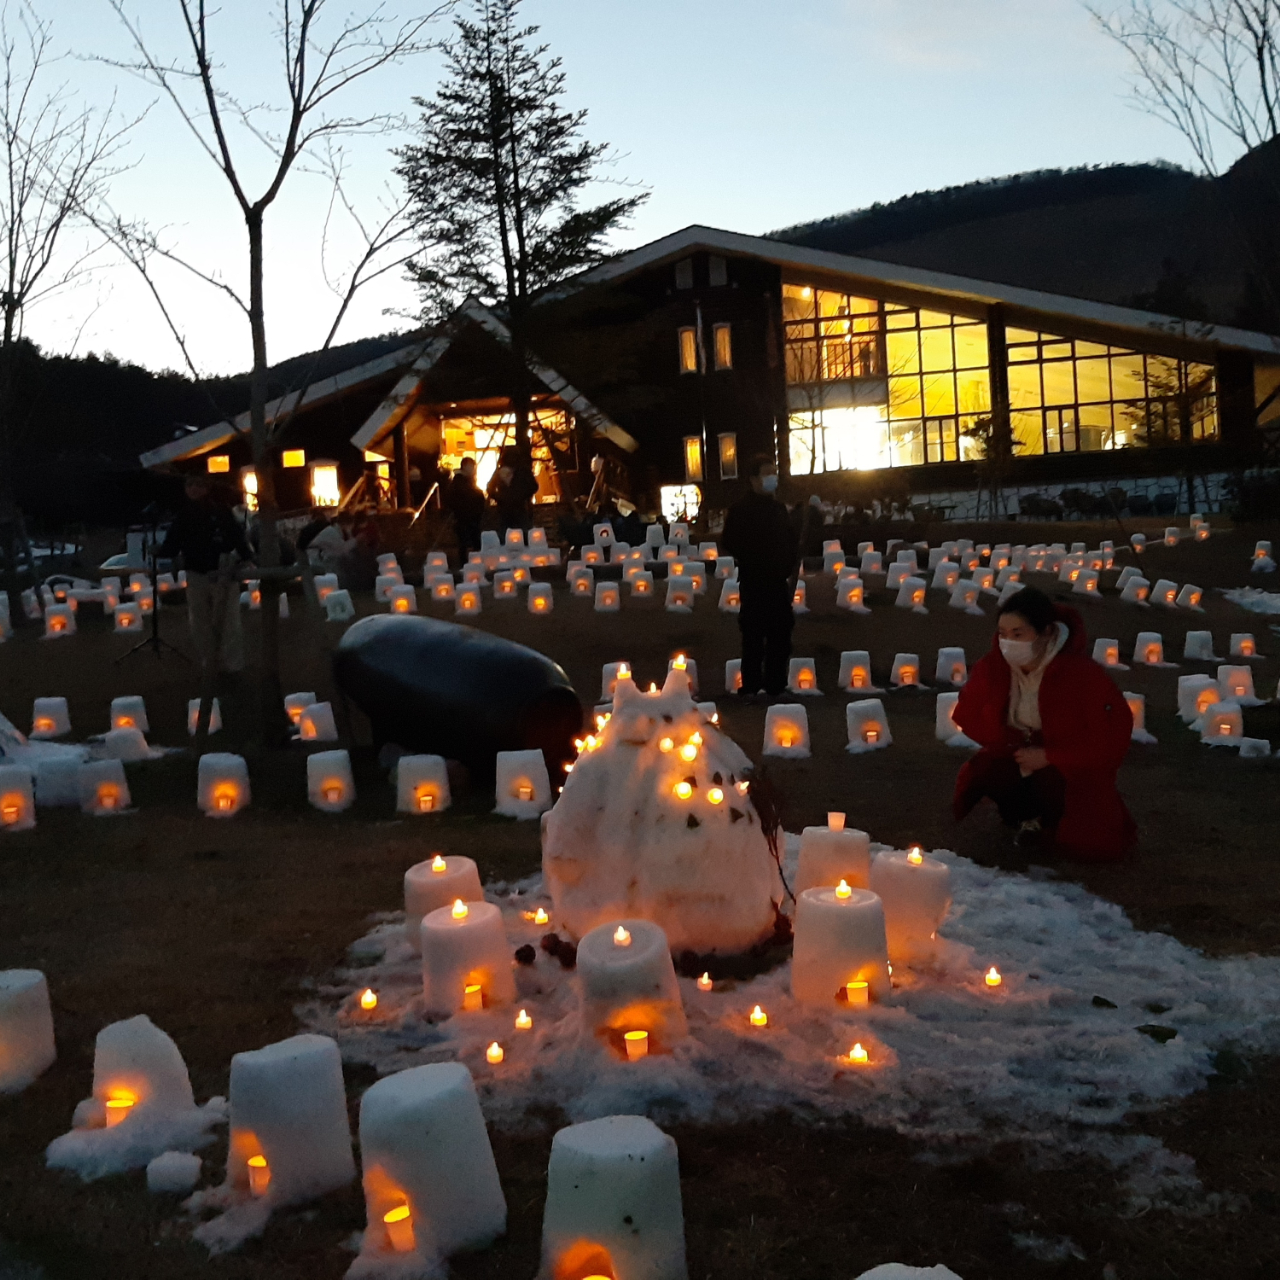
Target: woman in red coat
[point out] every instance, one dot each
(1053, 729)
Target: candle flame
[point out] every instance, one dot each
(858, 1054)
(459, 911)
(688, 753)
(993, 977)
(368, 998)
(666, 744)
(705, 983)
(743, 787)
(523, 1021)
(621, 938)
(843, 890)
(683, 790)
(680, 662)
(758, 1017)
(915, 855)
(540, 916)
(494, 1054)
(715, 795)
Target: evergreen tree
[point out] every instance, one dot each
(496, 178)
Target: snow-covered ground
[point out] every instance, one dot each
(1093, 1020)
(1254, 600)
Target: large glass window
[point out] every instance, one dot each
(483, 436)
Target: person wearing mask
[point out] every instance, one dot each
(510, 490)
(1053, 728)
(462, 497)
(213, 548)
(759, 535)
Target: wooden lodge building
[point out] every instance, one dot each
(678, 361)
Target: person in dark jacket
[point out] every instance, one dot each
(462, 497)
(761, 538)
(510, 490)
(1053, 729)
(212, 546)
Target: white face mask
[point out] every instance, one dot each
(1018, 653)
(769, 484)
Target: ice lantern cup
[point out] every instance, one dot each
(430, 1182)
(608, 597)
(786, 731)
(422, 784)
(833, 853)
(434, 883)
(331, 788)
(522, 786)
(916, 893)
(630, 985)
(838, 940)
(465, 946)
(467, 602)
(17, 798)
(222, 784)
(613, 1204)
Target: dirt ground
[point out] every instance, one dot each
(216, 931)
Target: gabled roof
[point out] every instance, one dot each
(404, 394)
(798, 258)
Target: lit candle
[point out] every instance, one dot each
(368, 998)
(637, 1043)
(259, 1175)
(472, 997)
(399, 1225)
(459, 910)
(758, 1017)
(715, 795)
(494, 1054)
(858, 1055)
(688, 753)
(621, 938)
(683, 790)
(438, 865)
(843, 892)
(705, 983)
(524, 792)
(666, 744)
(837, 941)
(523, 1021)
(426, 800)
(916, 893)
(541, 917)
(993, 977)
(835, 821)
(915, 855)
(118, 1107)
(871, 734)
(857, 992)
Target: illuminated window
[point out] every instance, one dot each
(249, 487)
(724, 346)
(384, 471)
(483, 436)
(324, 485)
(219, 464)
(728, 443)
(370, 456)
(293, 458)
(680, 501)
(688, 351)
(693, 458)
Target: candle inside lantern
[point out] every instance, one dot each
(399, 1225)
(494, 1054)
(835, 821)
(368, 999)
(858, 992)
(621, 937)
(459, 909)
(705, 983)
(438, 865)
(758, 1017)
(858, 1055)
(540, 916)
(523, 1021)
(683, 790)
(993, 978)
(259, 1175)
(637, 1043)
(472, 997)
(426, 799)
(915, 855)
(118, 1107)
(715, 795)
(524, 791)
(843, 891)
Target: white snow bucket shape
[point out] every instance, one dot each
(613, 1202)
(871, 562)
(730, 596)
(522, 786)
(1243, 645)
(951, 667)
(1086, 584)
(906, 671)
(325, 584)
(59, 620)
(786, 731)
(629, 985)
(945, 575)
(1106, 652)
(833, 853)
(434, 883)
(296, 703)
(104, 790)
(222, 784)
(911, 595)
(466, 601)
(1189, 598)
(1148, 650)
(1138, 709)
(1165, 593)
(802, 677)
(422, 784)
(402, 599)
(128, 617)
(129, 712)
(839, 942)
(1136, 591)
(733, 675)
(331, 788)
(1196, 694)
(540, 597)
(338, 606)
(316, 723)
(193, 716)
(855, 670)
(1221, 724)
(1198, 647)
(441, 588)
(26, 1028)
(1237, 683)
(50, 718)
(916, 892)
(128, 745)
(867, 726)
(17, 798)
(608, 597)
(466, 959)
(680, 595)
(851, 595)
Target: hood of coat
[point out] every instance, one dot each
(1077, 639)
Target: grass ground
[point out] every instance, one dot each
(216, 930)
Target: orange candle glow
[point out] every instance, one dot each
(118, 1107)
(524, 791)
(259, 1175)
(993, 977)
(915, 855)
(399, 1225)
(621, 938)
(637, 1043)
(871, 734)
(108, 796)
(368, 998)
(666, 744)
(523, 1021)
(857, 992)
(472, 998)
(715, 795)
(541, 917)
(858, 1055)
(683, 790)
(835, 820)
(459, 910)
(426, 800)
(705, 983)
(843, 891)
(758, 1017)
(44, 725)
(688, 753)
(494, 1054)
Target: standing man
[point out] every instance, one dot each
(510, 490)
(463, 498)
(760, 537)
(212, 546)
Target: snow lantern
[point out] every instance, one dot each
(128, 617)
(871, 562)
(726, 567)
(592, 555)
(906, 671)
(867, 726)
(678, 534)
(855, 670)
(540, 600)
(908, 557)
(679, 596)
(1243, 645)
(1135, 591)
(128, 745)
(522, 788)
(1138, 710)
(165, 583)
(331, 788)
(466, 603)
(59, 620)
(688, 667)
(1107, 653)
(17, 798)
(1126, 574)
(911, 595)
(489, 540)
(434, 883)
(1171, 536)
(26, 1028)
(388, 564)
(1006, 576)
(1189, 598)
(325, 584)
(1138, 541)
(786, 731)
(851, 595)
(537, 539)
(944, 722)
(505, 586)
(613, 1203)
(252, 595)
(193, 716)
(466, 959)
(338, 606)
(403, 599)
(833, 561)
(57, 781)
(222, 784)
(141, 1105)
(1261, 552)
(916, 892)
(422, 784)
(442, 588)
(1086, 584)
(984, 580)
(608, 597)
(436, 562)
(1198, 647)
(129, 712)
(831, 544)
(945, 575)
(802, 677)
(1148, 650)
(1221, 724)
(697, 576)
(833, 853)
(657, 822)
(708, 551)
(964, 595)
(629, 985)
(316, 723)
(641, 583)
(431, 1186)
(1255, 749)
(145, 600)
(1165, 593)
(839, 944)
(103, 788)
(290, 1141)
(951, 667)
(50, 718)
(898, 574)
(730, 596)
(473, 575)
(296, 703)
(1237, 683)
(1196, 694)
(733, 675)
(1201, 531)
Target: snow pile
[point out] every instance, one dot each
(1093, 1019)
(1254, 600)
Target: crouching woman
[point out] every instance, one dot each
(1053, 729)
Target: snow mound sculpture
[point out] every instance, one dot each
(654, 822)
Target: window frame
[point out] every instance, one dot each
(687, 345)
(722, 329)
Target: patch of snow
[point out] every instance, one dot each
(1254, 599)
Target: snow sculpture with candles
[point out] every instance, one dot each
(141, 1105)
(655, 822)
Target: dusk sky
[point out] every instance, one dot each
(745, 114)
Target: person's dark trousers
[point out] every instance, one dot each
(765, 620)
(468, 537)
(1038, 795)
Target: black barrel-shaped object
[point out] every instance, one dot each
(453, 691)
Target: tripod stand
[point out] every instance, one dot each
(154, 641)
